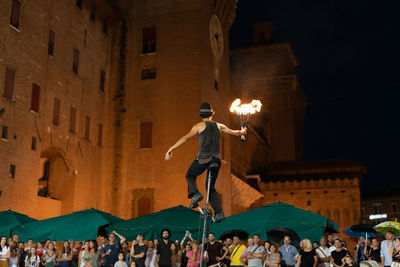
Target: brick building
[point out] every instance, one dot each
(95, 91)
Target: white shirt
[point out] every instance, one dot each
(4, 252)
(12, 262)
(323, 253)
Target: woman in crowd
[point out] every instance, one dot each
(75, 253)
(92, 257)
(185, 252)
(49, 258)
(40, 251)
(84, 254)
(126, 252)
(373, 252)
(65, 256)
(273, 258)
(396, 253)
(4, 252)
(176, 255)
(32, 259)
(307, 257)
(150, 255)
(13, 261)
(194, 255)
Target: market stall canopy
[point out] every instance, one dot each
(10, 219)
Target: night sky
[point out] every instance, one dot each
(349, 69)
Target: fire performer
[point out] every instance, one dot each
(209, 133)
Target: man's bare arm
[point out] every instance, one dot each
(181, 141)
(225, 129)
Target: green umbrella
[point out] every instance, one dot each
(10, 219)
(259, 221)
(80, 225)
(176, 219)
(389, 226)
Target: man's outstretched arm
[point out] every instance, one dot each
(232, 132)
(180, 142)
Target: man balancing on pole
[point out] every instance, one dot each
(209, 133)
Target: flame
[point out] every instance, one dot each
(250, 108)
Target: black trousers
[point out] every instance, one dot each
(195, 170)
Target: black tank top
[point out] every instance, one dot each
(209, 141)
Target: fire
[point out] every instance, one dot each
(250, 108)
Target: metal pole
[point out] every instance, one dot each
(205, 218)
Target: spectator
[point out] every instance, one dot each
(93, 255)
(30, 244)
(288, 253)
(333, 248)
(21, 254)
(83, 254)
(185, 251)
(315, 245)
(150, 255)
(164, 250)
(273, 258)
(323, 253)
(13, 260)
(243, 257)
(138, 251)
(347, 261)
(126, 252)
(373, 253)
(75, 253)
(121, 261)
(188, 235)
(214, 250)
(103, 243)
(32, 259)
(236, 250)
(396, 253)
(387, 249)
(331, 241)
(49, 258)
(4, 252)
(226, 257)
(112, 249)
(267, 245)
(194, 255)
(255, 253)
(176, 255)
(65, 256)
(40, 250)
(16, 238)
(338, 254)
(307, 257)
(359, 250)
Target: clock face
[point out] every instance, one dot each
(216, 37)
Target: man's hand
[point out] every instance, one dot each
(168, 155)
(134, 242)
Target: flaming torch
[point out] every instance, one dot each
(244, 111)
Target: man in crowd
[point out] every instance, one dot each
(214, 250)
(387, 248)
(288, 253)
(235, 251)
(138, 251)
(323, 253)
(21, 254)
(255, 253)
(359, 250)
(30, 244)
(112, 249)
(243, 257)
(226, 257)
(164, 250)
(16, 238)
(338, 254)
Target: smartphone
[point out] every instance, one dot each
(187, 232)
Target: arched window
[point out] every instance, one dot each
(144, 206)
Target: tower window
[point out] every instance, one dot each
(15, 13)
(148, 74)
(149, 40)
(75, 63)
(9, 83)
(79, 4)
(93, 10)
(102, 80)
(56, 111)
(33, 144)
(52, 38)
(4, 132)
(104, 26)
(146, 132)
(216, 85)
(100, 135)
(12, 171)
(308, 203)
(35, 97)
(87, 128)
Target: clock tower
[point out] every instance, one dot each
(175, 59)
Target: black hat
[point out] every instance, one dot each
(206, 109)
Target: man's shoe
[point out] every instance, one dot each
(219, 216)
(195, 201)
